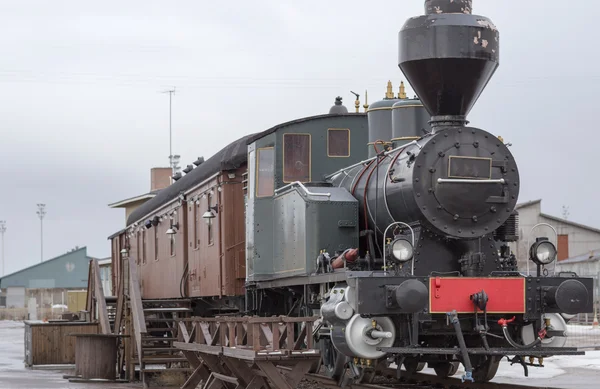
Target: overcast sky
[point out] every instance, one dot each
(82, 119)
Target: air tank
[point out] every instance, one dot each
(379, 117)
(410, 120)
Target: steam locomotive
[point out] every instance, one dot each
(392, 226)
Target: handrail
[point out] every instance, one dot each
(100, 299)
(137, 311)
(470, 181)
(298, 183)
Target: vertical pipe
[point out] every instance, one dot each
(2, 231)
(171, 137)
(41, 239)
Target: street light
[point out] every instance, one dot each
(41, 213)
(2, 231)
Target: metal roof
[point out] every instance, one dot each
(230, 157)
(590, 256)
(565, 221)
(556, 219)
(134, 199)
(69, 270)
(528, 203)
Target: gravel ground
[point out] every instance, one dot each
(570, 372)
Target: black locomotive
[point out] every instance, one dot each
(415, 265)
(393, 227)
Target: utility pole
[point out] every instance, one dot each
(171, 92)
(41, 213)
(2, 231)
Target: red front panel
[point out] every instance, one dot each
(506, 295)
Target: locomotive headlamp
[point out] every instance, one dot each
(402, 250)
(542, 252)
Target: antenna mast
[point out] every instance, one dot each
(171, 92)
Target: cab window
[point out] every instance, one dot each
(265, 170)
(296, 157)
(338, 142)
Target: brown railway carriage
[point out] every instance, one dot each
(189, 241)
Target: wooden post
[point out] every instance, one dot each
(100, 300)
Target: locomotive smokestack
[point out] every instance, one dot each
(448, 6)
(448, 55)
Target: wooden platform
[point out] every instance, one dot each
(243, 352)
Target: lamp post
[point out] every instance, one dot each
(171, 156)
(2, 231)
(41, 212)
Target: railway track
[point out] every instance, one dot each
(387, 380)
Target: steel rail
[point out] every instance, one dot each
(417, 381)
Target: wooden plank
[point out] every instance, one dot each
(135, 297)
(88, 305)
(137, 312)
(257, 382)
(100, 300)
(240, 369)
(225, 378)
(298, 372)
(274, 375)
(183, 332)
(120, 304)
(196, 377)
(240, 353)
(205, 331)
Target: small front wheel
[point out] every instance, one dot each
(446, 369)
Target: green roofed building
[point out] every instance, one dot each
(47, 282)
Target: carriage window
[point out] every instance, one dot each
(265, 166)
(338, 142)
(296, 157)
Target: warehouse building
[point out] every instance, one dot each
(574, 239)
(46, 283)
